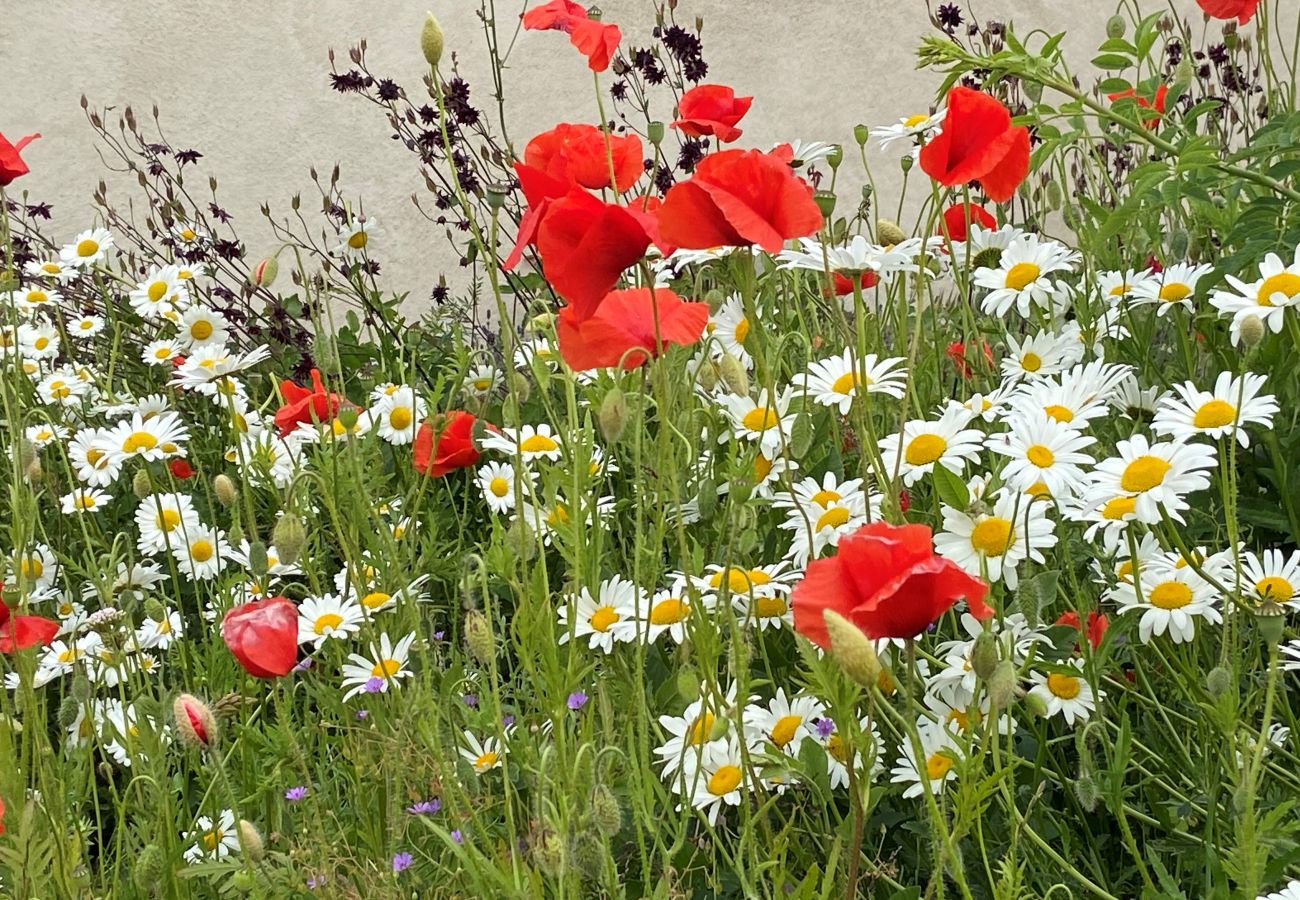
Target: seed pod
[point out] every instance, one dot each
(478, 637)
(224, 487)
(1115, 27)
(587, 855)
(835, 156)
(194, 721)
(81, 689)
(432, 40)
(852, 649)
(825, 201)
(251, 840)
(1179, 243)
(1270, 618)
(889, 233)
(289, 536)
(613, 415)
(861, 134)
(656, 133)
(1053, 195)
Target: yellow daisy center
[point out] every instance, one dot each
(1118, 508)
(538, 443)
(1215, 414)
(826, 498)
(669, 611)
(87, 248)
(201, 330)
(993, 536)
(845, 384)
(701, 728)
(925, 449)
(386, 668)
(762, 468)
(603, 619)
(201, 550)
(1021, 274)
(1031, 362)
(400, 418)
(1285, 283)
(835, 517)
(1170, 595)
(724, 780)
(937, 765)
(770, 607)
(358, 240)
(1175, 291)
(784, 730)
(742, 331)
(485, 761)
(139, 440)
(1040, 456)
(499, 486)
(375, 599)
(157, 291)
(913, 121)
(760, 419)
(327, 622)
(1143, 473)
(1066, 687)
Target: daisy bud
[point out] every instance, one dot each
(142, 484)
(613, 415)
(478, 637)
(852, 649)
(656, 133)
(432, 40)
(861, 134)
(149, 869)
(1252, 330)
(1086, 789)
(606, 814)
(69, 709)
(825, 202)
(1115, 27)
(194, 721)
(984, 655)
(264, 272)
(715, 298)
(1036, 706)
(1269, 618)
(1001, 685)
(888, 233)
(289, 537)
(733, 375)
(251, 840)
(1218, 682)
(224, 487)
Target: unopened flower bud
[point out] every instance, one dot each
(984, 655)
(707, 376)
(1179, 243)
(1053, 195)
(548, 849)
(613, 415)
(688, 684)
(825, 202)
(1036, 705)
(852, 649)
(224, 487)
(81, 689)
(194, 721)
(733, 375)
(1252, 330)
(587, 855)
(154, 609)
(69, 709)
(257, 559)
(478, 637)
(34, 470)
(542, 323)
(1087, 791)
(1001, 685)
(265, 271)
(1115, 27)
(655, 132)
(150, 868)
(348, 418)
(606, 814)
(1183, 75)
(250, 839)
(432, 40)
(861, 134)
(289, 536)
(1218, 681)
(888, 232)
(520, 386)
(142, 484)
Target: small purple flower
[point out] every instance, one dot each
(507, 720)
(363, 714)
(825, 728)
(470, 700)
(424, 807)
(577, 700)
(402, 862)
(303, 666)
(439, 635)
(315, 881)
(374, 685)
(457, 836)
(294, 794)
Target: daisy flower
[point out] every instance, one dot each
(374, 675)
(1117, 286)
(1277, 289)
(866, 760)
(84, 500)
(398, 414)
(161, 293)
(87, 248)
(52, 269)
(200, 325)
(854, 258)
(1272, 576)
(41, 436)
(187, 234)
(691, 733)
(834, 382)
(992, 544)
(719, 778)
(29, 300)
(923, 445)
(201, 553)
(354, 238)
(1044, 456)
(85, 327)
(1041, 354)
(819, 524)
(1065, 693)
(766, 421)
(483, 756)
(163, 519)
(913, 130)
(481, 381)
(147, 439)
(1152, 476)
(328, 616)
(1216, 413)
(939, 755)
(1290, 891)
(1021, 278)
(529, 442)
(159, 634)
(209, 364)
(598, 619)
(160, 352)
(1170, 600)
(212, 840)
(38, 567)
(497, 481)
(1172, 287)
(1290, 651)
(729, 328)
(786, 722)
(667, 611)
(983, 247)
(806, 153)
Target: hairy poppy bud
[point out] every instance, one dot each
(432, 40)
(154, 609)
(606, 814)
(1085, 788)
(194, 721)
(1001, 685)
(587, 855)
(707, 376)
(1179, 243)
(478, 637)
(984, 655)
(852, 649)
(888, 232)
(1218, 682)
(548, 849)
(613, 415)
(69, 709)
(251, 840)
(688, 685)
(142, 484)
(289, 537)
(265, 271)
(1252, 330)
(733, 375)
(520, 386)
(81, 689)
(258, 562)
(34, 470)
(224, 487)
(1053, 195)
(1036, 706)
(150, 867)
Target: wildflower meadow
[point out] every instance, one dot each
(727, 531)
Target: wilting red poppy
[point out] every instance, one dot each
(1241, 10)
(712, 109)
(978, 143)
(593, 38)
(886, 580)
(578, 154)
(11, 163)
(453, 449)
(303, 406)
(585, 245)
(263, 636)
(181, 469)
(1162, 95)
(1097, 625)
(958, 218)
(21, 632)
(629, 320)
(737, 198)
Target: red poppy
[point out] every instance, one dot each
(1154, 265)
(454, 448)
(886, 580)
(2, 815)
(904, 500)
(11, 163)
(957, 353)
(303, 407)
(539, 190)
(1097, 625)
(958, 218)
(579, 154)
(181, 469)
(585, 245)
(21, 632)
(844, 284)
(1241, 10)
(737, 198)
(1162, 96)
(712, 109)
(978, 143)
(263, 636)
(593, 38)
(629, 320)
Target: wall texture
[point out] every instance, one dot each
(245, 82)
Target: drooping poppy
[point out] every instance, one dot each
(737, 198)
(453, 448)
(1097, 625)
(303, 406)
(958, 218)
(11, 162)
(579, 154)
(1241, 10)
(21, 632)
(1161, 97)
(978, 143)
(712, 109)
(585, 245)
(593, 39)
(263, 636)
(957, 353)
(638, 320)
(886, 580)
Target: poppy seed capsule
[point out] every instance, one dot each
(265, 271)
(861, 134)
(613, 415)
(478, 637)
(825, 201)
(289, 537)
(852, 649)
(194, 721)
(432, 40)
(251, 840)
(224, 487)
(1115, 27)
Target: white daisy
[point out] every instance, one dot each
(354, 238)
(1277, 289)
(939, 756)
(530, 442)
(483, 756)
(87, 248)
(1065, 693)
(766, 421)
(598, 619)
(1155, 476)
(1021, 278)
(212, 840)
(1231, 404)
(1175, 286)
(369, 675)
(923, 445)
(992, 544)
(328, 616)
(1169, 599)
(1044, 455)
(834, 381)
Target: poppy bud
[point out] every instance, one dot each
(1085, 788)
(984, 655)
(69, 709)
(707, 376)
(587, 855)
(478, 637)
(265, 271)
(548, 849)
(34, 471)
(432, 40)
(224, 487)
(1179, 243)
(825, 202)
(1053, 195)
(1001, 685)
(888, 233)
(861, 134)
(606, 814)
(733, 375)
(194, 721)
(142, 484)
(1115, 27)
(852, 649)
(81, 689)
(257, 559)
(520, 386)
(154, 609)
(150, 866)
(688, 685)
(655, 132)
(1218, 682)
(1270, 619)
(251, 840)
(1036, 706)
(1252, 330)
(229, 705)
(289, 537)
(1033, 90)
(613, 415)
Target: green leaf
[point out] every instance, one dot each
(952, 490)
(1112, 61)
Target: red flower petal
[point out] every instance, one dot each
(627, 321)
(263, 636)
(454, 448)
(585, 246)
(712, 109)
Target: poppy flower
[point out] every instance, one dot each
(629, 320)
(886, 580)
(181, 469)
(453, 449)
(303, 406)
(2, 816)
(539, 190)
(957, 353)
(978, 143)
(11, 163)
(737, 198)
(1161, 97)
(958, 218)
(712, 109)
(585, 245)
(579, 154)
(593, 38)
(21, 632)
(1097, 625)
(1241, 10)
(263, 636)
(844, 284)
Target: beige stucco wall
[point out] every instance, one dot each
(245, 82)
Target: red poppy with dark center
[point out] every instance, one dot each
(593, 38)
(1097, 625)
(21, 632)
(1161, 97)
(737, 198)
(958, 219)
(11, 162)
(579, 154)
(1241, 10)
(636, 320)
(886, 580)
(453, 449)
(263, 636)
(978, 143)
(712, 109)
(305, 407)
(585, 245)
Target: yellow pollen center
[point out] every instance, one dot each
(32, 568)
(400, 418)
(770, 607)
(1215, 414)
(87, 248)
(1031, 362)
(913, 121)
(86, 501)
(1175, 291)
(1038, 489)
(157, 291)
(845, 384)
(201, 330)
(375, 599)
(784, 730)
(603, 619)
(1170, 595)
(836, 747)
(993, 536)
(742, 331)
(760, 419)
(188, 234)
(41, 342)
(762, 468)
(139, 440)
(724, 780)
(51, 268)
(1275, 588)
(1059, 413)
(1040, 456)
(1285, 283)
(538, 443)
(213, 838)
(499, 486)
(1143, 473)
(1119, 290)
(1118, 508)
(669, 612)
(359, 240)
(485, 761)
(835, 517)
(1066, 687)
(386, 668)
(701, 728)
(201, 550)
(925, 449)
(937, 765)
(1021, 274)
(825, 498)
(327, 623)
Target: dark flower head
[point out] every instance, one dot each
(950, 16)
(349, 82)
(188, 156)
(388, 90)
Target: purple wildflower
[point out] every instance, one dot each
(294, 794)
(424, 807)
(470, 700)
(374, 685)
(577, 700)
(825, 728)
(402, 862)
(457, 836)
